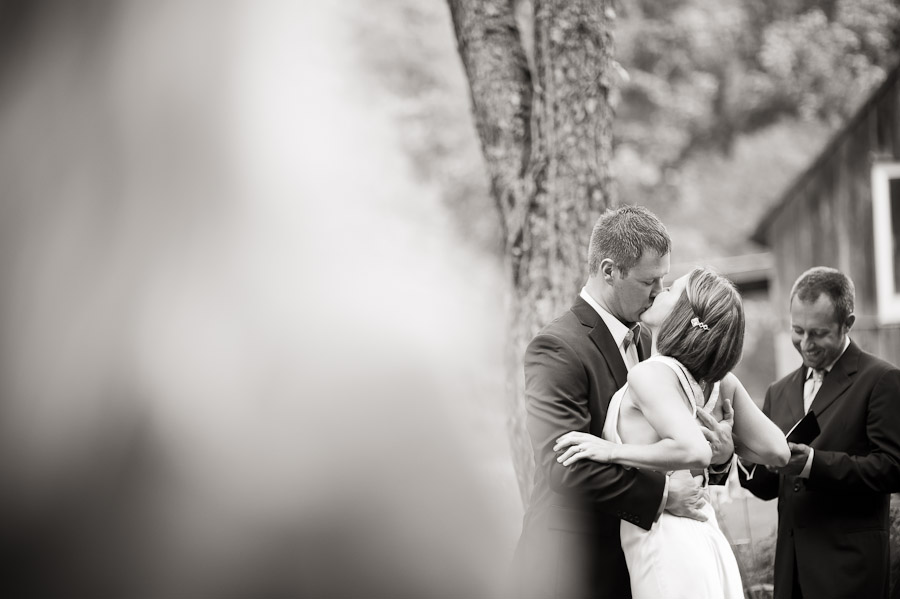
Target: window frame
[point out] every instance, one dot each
(886, 290)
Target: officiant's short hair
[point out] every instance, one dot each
(836, 285)
(705, 330)
(623, 235)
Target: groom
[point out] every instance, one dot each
(570, 539)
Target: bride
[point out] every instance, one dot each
(698, 332)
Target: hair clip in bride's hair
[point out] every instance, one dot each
(696, 322)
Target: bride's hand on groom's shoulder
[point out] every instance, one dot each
(581, 446)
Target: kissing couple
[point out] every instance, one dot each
(632, 411)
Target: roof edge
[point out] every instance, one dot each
(760, 234)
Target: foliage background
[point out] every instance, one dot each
(721, 104)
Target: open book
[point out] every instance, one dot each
(806, 429)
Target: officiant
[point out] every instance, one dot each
(834, 494)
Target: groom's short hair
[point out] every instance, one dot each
(623, 235)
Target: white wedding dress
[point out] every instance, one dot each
(678, 557)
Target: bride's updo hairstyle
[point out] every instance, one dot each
(710, 346)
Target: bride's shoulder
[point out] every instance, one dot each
(651, 369)
(728, 384)
(652, 381)
(658, 363)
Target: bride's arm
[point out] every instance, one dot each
(756, 438)
(656, 392)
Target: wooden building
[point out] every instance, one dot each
(844, 212)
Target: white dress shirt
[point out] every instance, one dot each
(618, 331)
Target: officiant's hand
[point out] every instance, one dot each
(799, 456)
(686, 497)
(719, 434)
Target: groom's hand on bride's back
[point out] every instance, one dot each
(686, 498)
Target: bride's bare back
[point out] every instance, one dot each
(634, 426)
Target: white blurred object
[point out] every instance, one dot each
(240, 344)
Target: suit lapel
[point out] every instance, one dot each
(837, 380)
(603, 339)
(793, 398)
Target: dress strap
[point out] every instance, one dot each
(710, 404)
(690, 385)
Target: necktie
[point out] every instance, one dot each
(629, 346)
(632, 336)
(811, 387)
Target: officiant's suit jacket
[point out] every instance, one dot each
(570, 539)
(834, 525)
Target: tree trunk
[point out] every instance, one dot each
(547, 139)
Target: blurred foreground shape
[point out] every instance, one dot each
(240, 355)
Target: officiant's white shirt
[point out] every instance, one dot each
(806, 469)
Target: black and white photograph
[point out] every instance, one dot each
(450, 299)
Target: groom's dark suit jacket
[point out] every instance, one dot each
(834, 525)
(570, 539)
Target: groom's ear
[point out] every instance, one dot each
(607, 267)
